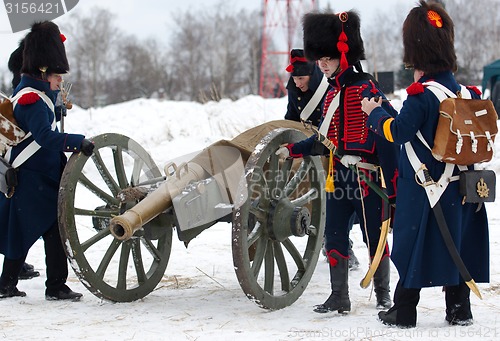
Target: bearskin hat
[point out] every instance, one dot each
(44, 50)
(428, 39)
(299, 65)
(16, 63)
(333, 35)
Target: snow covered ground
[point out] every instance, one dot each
(199, 297)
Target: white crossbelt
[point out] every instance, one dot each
(33, 147)
(435, 190)
(315, 99)
(325, 124)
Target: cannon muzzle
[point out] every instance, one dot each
(124, 226)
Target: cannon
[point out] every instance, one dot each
(118, 211)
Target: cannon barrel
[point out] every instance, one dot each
(208, 163)
(277, 211)
(125, 225)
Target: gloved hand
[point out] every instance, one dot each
(87, 147)
(283, 152)
(347, 160)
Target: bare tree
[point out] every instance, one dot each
(477, 36)
(91, 46)
(140, 70)
(214, 54)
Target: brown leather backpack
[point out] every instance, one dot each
(466, 128)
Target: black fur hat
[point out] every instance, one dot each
(299, 65)
(428, 39)
(333, 35)
(44, 50)
(16, 63)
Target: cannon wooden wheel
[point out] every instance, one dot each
(120, 271)
(278, 224)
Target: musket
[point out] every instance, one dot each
(65, 90)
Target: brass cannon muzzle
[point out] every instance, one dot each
(124, 226)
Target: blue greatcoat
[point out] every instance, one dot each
(419, 252)
(297, 99)
(33, 208)
(349, 133)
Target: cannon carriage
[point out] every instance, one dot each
(118, 211)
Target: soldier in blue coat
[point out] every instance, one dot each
(334, 40)
(15, 64)
(419, 252)
(31, 212)
(305, 80)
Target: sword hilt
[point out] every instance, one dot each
(427, 177)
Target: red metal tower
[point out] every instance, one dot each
(281, 31)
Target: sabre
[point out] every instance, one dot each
(448, 240)
(384, 231)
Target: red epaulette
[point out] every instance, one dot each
(475, 89)
(29, 98)
(415, 89)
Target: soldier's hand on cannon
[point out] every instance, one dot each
(283, 152)
(87, 147)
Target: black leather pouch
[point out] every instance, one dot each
(478, 186)
(8, 178)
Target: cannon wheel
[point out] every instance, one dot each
(120, 271)
(278, 227)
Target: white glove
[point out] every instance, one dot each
(347, 160)
(283, 153)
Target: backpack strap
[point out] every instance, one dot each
(33, 147)
(442, 92)
(435, 191)
(26, 90)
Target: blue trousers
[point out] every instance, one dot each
(351, 197)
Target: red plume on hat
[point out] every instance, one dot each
(333, 35)
(299, 65)
(342, 45)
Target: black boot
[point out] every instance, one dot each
(57, 268)
(458, 305)
(63, 293)
(339, 298)
(381, 280)
(403, 313)
(9, 278)
(28, 272)
(10, 291)
(353, 260)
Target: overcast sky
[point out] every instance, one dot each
(150, 18)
